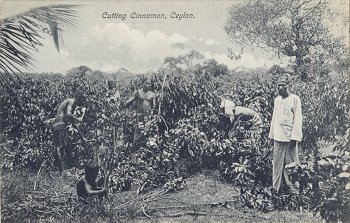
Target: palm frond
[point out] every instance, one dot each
(20, 35)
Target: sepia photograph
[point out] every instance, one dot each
(175, 111)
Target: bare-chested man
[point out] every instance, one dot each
(145, 102)
(237, 113)
(65, 115)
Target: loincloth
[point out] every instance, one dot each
(60, 132)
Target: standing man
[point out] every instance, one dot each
(113, 94)
(65, 115)
(286, 131)
(145, 102)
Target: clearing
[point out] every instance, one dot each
(204, 199)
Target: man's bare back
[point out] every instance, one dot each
(245, 113)
(65, 107)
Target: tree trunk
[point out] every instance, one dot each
(301, 49)
(300, 68)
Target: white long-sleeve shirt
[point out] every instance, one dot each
(287, 120)
(229, 106)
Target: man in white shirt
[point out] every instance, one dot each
(228, 106)
(286, 131)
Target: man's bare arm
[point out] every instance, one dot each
(132, 98)
(128, 102)
(154, 101)
(93, 192)
(70, 114)
(236, 121)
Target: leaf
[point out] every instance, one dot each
(345, 167)
(344, 175)
(347, 186)
(19, 36)
(291, 165)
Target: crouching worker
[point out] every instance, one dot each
(88, 185)
(247, 115)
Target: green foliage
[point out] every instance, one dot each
(188, 133)
(295, 29)
(21, 34)
(327, 183)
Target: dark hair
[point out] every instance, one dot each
(91, 172)
(91, 167)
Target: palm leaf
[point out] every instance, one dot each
(20, 36)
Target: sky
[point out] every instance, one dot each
(141, 45)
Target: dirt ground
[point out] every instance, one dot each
(204, 199)
(222, 205)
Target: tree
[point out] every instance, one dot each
(189, 58)
(171, 63)
(78, 72)
(183, 61)
(342, 65)
(293, 28)
(98, 74)
(278, 70)
(214, 68)
(20, 36)
(210, 68)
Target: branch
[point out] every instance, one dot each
(311, 11)
(37, 175)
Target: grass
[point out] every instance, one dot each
(205, 199)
